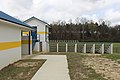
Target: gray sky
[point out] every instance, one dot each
(53, 10)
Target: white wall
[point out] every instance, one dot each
(37, 46)
(45, 47)
(40, 25)
(9, 33)
(40, 28)
(9, 56)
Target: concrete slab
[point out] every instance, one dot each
(55, 68)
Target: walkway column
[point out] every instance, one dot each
(66, 47)
(57, 47)
(111, 48)
(75, 48)
(84, 49)
(102, 49)
(93, 49)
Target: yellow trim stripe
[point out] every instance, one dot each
(25, 32)
(9, 45)
(42, 32)
(37, 32)
(26, 42)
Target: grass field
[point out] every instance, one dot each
(115, 57)
(116, 48)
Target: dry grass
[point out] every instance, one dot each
(80, 71)
(109, 69)
(21, 70)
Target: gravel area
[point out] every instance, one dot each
(106, 67)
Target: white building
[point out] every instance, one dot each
(11, 39)
(42, 34)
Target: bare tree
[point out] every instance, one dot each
(70, 21)
(83, 20)
(77, 20)
(108, 23)
(63, 22)
(100, 21)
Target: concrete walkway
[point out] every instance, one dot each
(55, 68)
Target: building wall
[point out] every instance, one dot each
(25, 45)
(10, 44)
(42, 33)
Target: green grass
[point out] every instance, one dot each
(114, 57)
(21, 70)
(116, 44)
(116, 48)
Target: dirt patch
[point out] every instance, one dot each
(79, 71)
(26, 64)
(106, 67)
(21, 70)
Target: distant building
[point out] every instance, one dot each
(42, 34)
(11, 39)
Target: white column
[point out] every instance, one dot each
(57, 47)
(75, 48)
(93, 51)
(36, 47)
(84, 49)
(102, 49)
(66, 47)
(111, 48)
(31, 45)
(48, 47)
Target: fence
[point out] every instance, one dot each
(81, 47)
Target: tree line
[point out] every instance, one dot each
(84, 30)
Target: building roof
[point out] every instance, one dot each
(11, 19)
(38, 20)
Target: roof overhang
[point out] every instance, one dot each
(17, 25)
(47, 25)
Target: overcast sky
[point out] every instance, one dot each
(53, 10)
